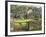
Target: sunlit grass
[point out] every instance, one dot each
(22, 20)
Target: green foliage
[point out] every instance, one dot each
(22, 20)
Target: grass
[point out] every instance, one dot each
(23, 20)
(22, 24)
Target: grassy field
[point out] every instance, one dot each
(23, 20)
(25, 25)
